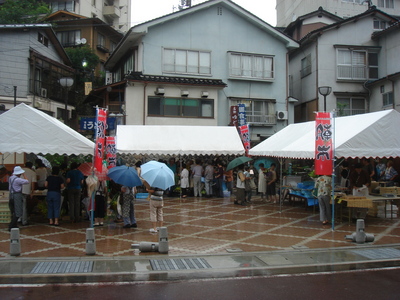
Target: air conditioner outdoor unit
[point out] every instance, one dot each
(43, 93)
(184, 93)
(282, 115)
(159, 91)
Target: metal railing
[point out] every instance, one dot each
(261, 119)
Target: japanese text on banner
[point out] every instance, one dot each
(101, 125)
(111, 152)
(323, 144)
(245, 135)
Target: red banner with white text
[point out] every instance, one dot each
(245, 135)
(323, 144)
(101, 125)
(111, 152)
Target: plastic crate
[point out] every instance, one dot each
(141, 195)
(226, 193)
(5, 216)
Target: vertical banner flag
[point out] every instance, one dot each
(111, 152)
(245, 135)
(323, 144)
(234, 116)
(101, 124)
(242, 114)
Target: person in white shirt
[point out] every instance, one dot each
(27, 190)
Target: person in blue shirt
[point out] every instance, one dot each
(74, 187)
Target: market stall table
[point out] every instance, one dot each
(368, 202)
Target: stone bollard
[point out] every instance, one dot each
(360, 237)
(145, 247)
(163, 240)
(15, 245)
(90, 242)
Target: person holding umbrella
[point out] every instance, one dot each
(157, 178)
(128, 206)
(240, 186)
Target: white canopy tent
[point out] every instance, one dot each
(368, 135)
(179, 140)
(26, 129)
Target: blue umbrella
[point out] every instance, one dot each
(125, 175)
(157, 174)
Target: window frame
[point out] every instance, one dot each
(387, 97)
(353, 67)
(66, 35)
(246, 67)
(385, 4)
(254, 115)
(306, 66)
(186, 61)
(353, 111)
(177, 110)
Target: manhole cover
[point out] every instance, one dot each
(179, 264)
(52, 267)
(383, 253)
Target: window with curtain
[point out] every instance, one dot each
(180, 107)
(386, 3)
(62, 5)
(349, 106)
(68, 38)
(187, 61)
(101, 40)
(255, 66)
(379, 24)
(357, 64)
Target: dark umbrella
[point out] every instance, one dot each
(237, 162)
(125, 175)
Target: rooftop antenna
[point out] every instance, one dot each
(185, 4)
(369, 3)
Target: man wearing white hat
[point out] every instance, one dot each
(15, 183)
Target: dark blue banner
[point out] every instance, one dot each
(89, 123)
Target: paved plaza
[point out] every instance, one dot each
(201, 226)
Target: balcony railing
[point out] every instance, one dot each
(261, 119)
(351, 112)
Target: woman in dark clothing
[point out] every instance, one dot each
(54, 184)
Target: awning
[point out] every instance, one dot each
(179, 140)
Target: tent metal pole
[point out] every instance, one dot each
(333, 115)
(281, 185)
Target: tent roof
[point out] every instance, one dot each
(179, 140)
(367, 135)
(26, 129)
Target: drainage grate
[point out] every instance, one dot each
(382, 253)
(179, 264)
(53, 267)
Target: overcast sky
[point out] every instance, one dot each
(144, 10)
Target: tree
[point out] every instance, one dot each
(78, 55)
(22, 11)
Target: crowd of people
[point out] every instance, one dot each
(195, 178)
(355, 179)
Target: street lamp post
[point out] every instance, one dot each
(324, 91)
(66, 82)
